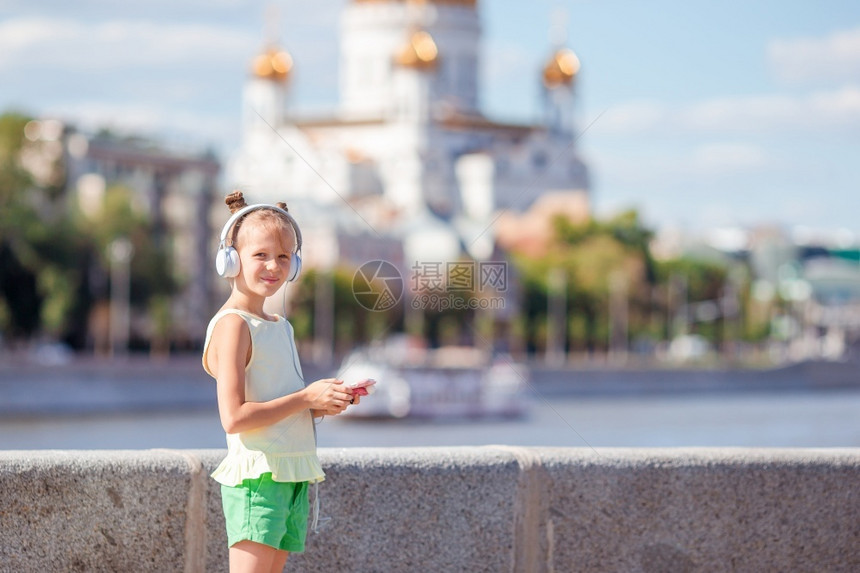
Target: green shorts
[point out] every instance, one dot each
(269, 512)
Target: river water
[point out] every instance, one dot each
(826, 418)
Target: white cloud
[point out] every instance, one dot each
(728, 158)
(39, 43)
(833, 111)
(632, 117)
(753, 113)
(835, 57)
(682, 166)
(823, 112)
(152, 120)
(163, 10)
(724, 183)
(34, 48)
(146, 74)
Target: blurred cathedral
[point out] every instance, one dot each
(407, 167)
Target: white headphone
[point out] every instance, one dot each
(227, 258)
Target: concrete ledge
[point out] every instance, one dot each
(702, 509)
(93, 511)
(493, 508)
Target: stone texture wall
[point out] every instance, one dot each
(493, 508)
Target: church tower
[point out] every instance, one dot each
(559, 74)
(434, 43)
(407, 65)
(559, 79)
(412, 78)
(264, 98)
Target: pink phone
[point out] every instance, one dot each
(362, 387)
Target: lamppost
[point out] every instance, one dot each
(556, 317)
(120, 252)
(618, 318)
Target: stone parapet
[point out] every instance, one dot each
(491, 508)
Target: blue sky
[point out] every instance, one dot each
(713, 113)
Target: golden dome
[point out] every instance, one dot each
(273, 64)
(420, 52)
(561, 68)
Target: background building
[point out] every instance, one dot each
(172, 190)
(408, 157)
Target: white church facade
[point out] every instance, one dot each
(407, 161)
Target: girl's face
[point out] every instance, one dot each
(264, 253)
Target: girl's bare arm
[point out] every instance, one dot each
(229, 352)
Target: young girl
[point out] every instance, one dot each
(264, 405)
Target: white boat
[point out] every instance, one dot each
(444, 383)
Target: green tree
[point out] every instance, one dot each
(38, 245)
(590, 256)
(53, 260)
(120, 218)
(353, 324)
(694, 282)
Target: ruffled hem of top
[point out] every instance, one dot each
(285, 468)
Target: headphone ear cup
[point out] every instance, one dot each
(295, 267)
(227, 262)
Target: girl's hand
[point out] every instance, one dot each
(356, 398)
(328, 396)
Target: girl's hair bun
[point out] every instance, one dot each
(282, 205)
(235, 201)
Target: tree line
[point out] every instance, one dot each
(54, 260)
(54, 272)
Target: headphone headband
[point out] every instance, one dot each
(227, 258)
(247, 209)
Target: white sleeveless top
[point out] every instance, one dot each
(286, 448)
